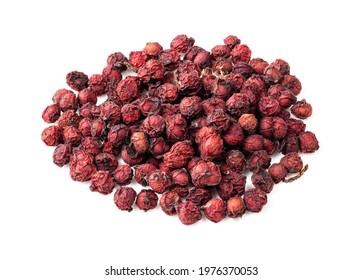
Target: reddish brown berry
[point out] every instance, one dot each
(179, 155)
(263, 180)
(215, 210)
(258, 65)
(105, 161)
(123, 174)
(180, 177)
(205, 173)
(235, 207)
(255, 199)
(124, 198)
(234, 135)
(142, 173)
(182, 43)
(308, 142)
(292, 83)
(257, 160)
(146, 200)
(231, 41)
(77, 80)
(169, 202)
(241, 53)
(62, 154)
(102, 182)
(81, 166)
(72, 135)
(51, 113)
(292, 162)
(302, 109)
(248, 122)
(140, 142)
(199, 196)
(52, 136)
(159, 181)
(253, 143)
(278, 172)
(189, 213)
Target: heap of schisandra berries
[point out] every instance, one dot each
(188, 127)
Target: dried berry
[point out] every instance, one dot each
(169, 202)
(210, 143)
(255, 199)
(199, 196)
(102, 182)
(182, 43)
(234, 135)
(123, 174)
(292, 162)
(62, 154)
(159, 181)
(190, 106)
(146, 200)
(308, 142)
(142, 173)
(235, 160)
(51, 113)
(189, 213)
(258, 65)
(235, 207)
(97, 84)
(77, 80)
(140, 142)
(253, 143)
(81, 166)
(180, 177)
(124, 198)
(179, 155)
(263, 180)
(150, 106)
(153, 125)
(176, 128)
(52, 136)
(290, 144)
(241, 53)
(105, 161)
(278, 172)
(275, 71)
(292, 83)
(72, 135)
(215, 210)
(205, 174)
(257, 160)
(248, 122)
(302, 109)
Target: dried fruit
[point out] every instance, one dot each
(215, 210)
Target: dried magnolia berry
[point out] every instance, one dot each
(84, 127)
(128, 89)
(211, 104)
(102, 182)
(210, 143)
(263, 180)
(269, 106)
(235, 160)
(182, 43)
(215, 210)
(72, 135)
(117, 60)
(189, 213)
(137, 59)
(158, 147)
(146, 200)
(52, 135)
(243, 69)
(98, 128)
(231, 41)
(123, 174)
(225, 190)
(159, 181)
(205, 174)
(77, 80)
(151, 70)
(129, 156)
(180, 177)
(295, 126)
(110, 112)
(258, 65)
(234, 135)
(153, 125)
(142, 173)
(153, 49)
(118, 134)
(257, 160)
(97, 84)
(170, 59)
(238, 104)
(169, 202)
(223, 66)
(278, 172)
(69, 118)
(302, 109)
(105, 161)
(62, 154)
(286, 98)
(235, 207)
(190, 106)
(289, 144)
(292, 162)
(275, 71)
(199, 196)
(124, 198)
(221, 51)
(218, 120)
(167, 93)
(81, 166)
(150, 106)
(241, 53)
(91, 145)
(308, 142)
(292, 83)
(253, 143)
(179, 155)
(68, 101)
(140, 142)
(51, 113)
(248, 122)
(130, 113)
(176, 128)
(269, 146)
(255, 199)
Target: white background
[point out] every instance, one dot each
(54, 228)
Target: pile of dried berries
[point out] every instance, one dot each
(189, 125)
